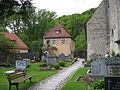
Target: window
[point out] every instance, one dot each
(57, 31)
(62, 41)
(53, 41)
(112, 33)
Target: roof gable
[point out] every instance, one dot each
(57, 32)
(18, 41)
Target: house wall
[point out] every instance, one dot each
(22, 51)
(66, 48)
(18, 51)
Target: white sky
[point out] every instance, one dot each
(66, 7)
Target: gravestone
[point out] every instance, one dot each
(98, 67)
(51, 59)
(112, 83)
(21, 64)
(62, 57)
(43, 59)
(113, 66)
(27, 61)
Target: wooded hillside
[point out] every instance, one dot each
(31, 26)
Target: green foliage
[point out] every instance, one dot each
(99, 84)
(80, 42)
(57, 66)
(31, 26)
(40, 53)
(88, 63)
(35, 45)
(61, 63)
(43, 65)
(75, 23)
(5, 65)
(11, 7)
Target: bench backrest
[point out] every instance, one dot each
(16, 75)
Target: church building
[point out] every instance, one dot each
(103, 29)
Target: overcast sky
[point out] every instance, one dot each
(66, 7)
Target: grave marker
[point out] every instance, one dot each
(112, 83)
(21, 64)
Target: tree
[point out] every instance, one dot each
(35, 45)
(80, 43)
(10, 7)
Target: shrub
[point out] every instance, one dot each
(99, 84)
(61, 63)
(5, 65)
(43, 65)
(88, 63)
(57, 66)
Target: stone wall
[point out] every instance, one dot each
(67, 48)
(98, 32)
(11, 58)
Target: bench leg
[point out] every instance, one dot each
(17, 86)
(30, 79)
(10, 87)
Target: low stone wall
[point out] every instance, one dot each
(12, 57)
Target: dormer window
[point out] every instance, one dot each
(57, 31)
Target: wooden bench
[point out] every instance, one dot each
(17, 78)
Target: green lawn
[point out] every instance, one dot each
(77, 85)
(34, 71)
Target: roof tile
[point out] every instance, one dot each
(57, 32)
(19, 42)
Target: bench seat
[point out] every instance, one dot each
(17, 78)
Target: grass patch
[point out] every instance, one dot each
(34, 70)
(77, 85)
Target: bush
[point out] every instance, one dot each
(99, 84)
(5, 65)
(43, 65)
(61, 63)
(57, 66)
(88, 63)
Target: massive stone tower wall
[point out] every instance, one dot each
(98, 39)
(114, 24)
(103, 29)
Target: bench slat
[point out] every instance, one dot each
(21, 79)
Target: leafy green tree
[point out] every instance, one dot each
(80, 43)
(10, 7)
(35, 45)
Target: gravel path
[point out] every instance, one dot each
(57, 81)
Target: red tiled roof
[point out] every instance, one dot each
(53, 33)
(19, 42)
